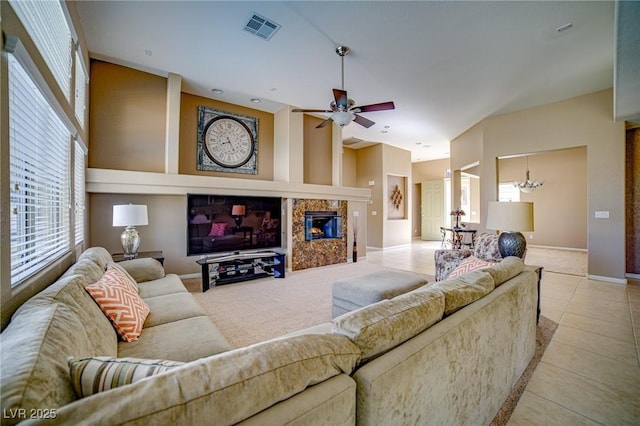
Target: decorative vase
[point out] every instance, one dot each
(355, 252)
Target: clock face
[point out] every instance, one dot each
(228, 142)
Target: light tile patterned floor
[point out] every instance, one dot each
(590, 373)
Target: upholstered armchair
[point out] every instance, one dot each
(486, 248)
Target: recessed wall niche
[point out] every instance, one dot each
(396, 197)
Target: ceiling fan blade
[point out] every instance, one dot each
(341, 98)
(363, 121)
(375, 107)
(310, 110)
(324, 123)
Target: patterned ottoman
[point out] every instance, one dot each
(350, 294)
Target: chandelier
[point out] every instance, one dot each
(528, 185)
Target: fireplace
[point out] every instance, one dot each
(320, 225)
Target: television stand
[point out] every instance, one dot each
(234, 267)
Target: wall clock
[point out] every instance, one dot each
(227, 142)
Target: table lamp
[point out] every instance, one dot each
(238, 211)
(130, 216)
(511, 218)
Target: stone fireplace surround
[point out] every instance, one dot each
(320, 252)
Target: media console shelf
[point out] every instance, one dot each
(234, 267)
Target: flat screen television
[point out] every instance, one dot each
(231, 223)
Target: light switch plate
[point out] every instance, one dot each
(602, 214)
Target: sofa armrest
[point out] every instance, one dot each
(447, 260)
(145, 269)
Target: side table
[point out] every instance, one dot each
(157, 255)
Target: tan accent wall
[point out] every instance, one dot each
(560, 204)
(396, 162)
(369, 166)
(317, 151)
(127, 118)
(349, 169)
(189, 137)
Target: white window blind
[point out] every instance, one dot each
(79, 191)
(81, 89)
(47, 25)
(39, 173)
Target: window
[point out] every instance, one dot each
(81, 89)
(508, 192)
(79, 191)
(39, 145)
(47, 25)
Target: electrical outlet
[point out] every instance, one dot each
(602, 214)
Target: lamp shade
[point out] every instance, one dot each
(237, 210)
(510, 216)
(130, 215)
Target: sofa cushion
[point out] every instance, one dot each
(505, 270)
(70, 291)
(218, 229)
(379, 327)
(170, 284)
(97, 374)
(144, 269)
(99, 255)
(35, 373)
(170, 308)
(469, 264)
(183, 340)
(87, 269)
(465, 289)
(120, 302)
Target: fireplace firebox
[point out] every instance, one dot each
(320, 225)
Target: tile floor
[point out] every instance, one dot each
(590, 373)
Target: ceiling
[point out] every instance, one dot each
(446, 65)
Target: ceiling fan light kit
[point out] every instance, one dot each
(342, 109)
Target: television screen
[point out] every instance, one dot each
(230, 223)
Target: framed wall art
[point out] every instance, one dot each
(227, 142)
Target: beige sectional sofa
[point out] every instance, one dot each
(446, 353)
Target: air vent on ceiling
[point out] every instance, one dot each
(351, 141)
(262, 27)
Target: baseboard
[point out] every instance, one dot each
(190, 276)
(607, 279)
(632, 276)
(558, 248)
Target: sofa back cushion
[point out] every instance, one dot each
(99, 255)
(87, 269)
(465, 289)
(35, 346)
(70, 291)
(382, 326)
(505, 270)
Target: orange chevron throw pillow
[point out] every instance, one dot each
(469, 264)
(120, 302)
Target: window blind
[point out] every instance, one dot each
(47, 25)
(81, 89)
(79, 191)
(508, 192)
(39, 145)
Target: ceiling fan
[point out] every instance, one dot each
(342, 109)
